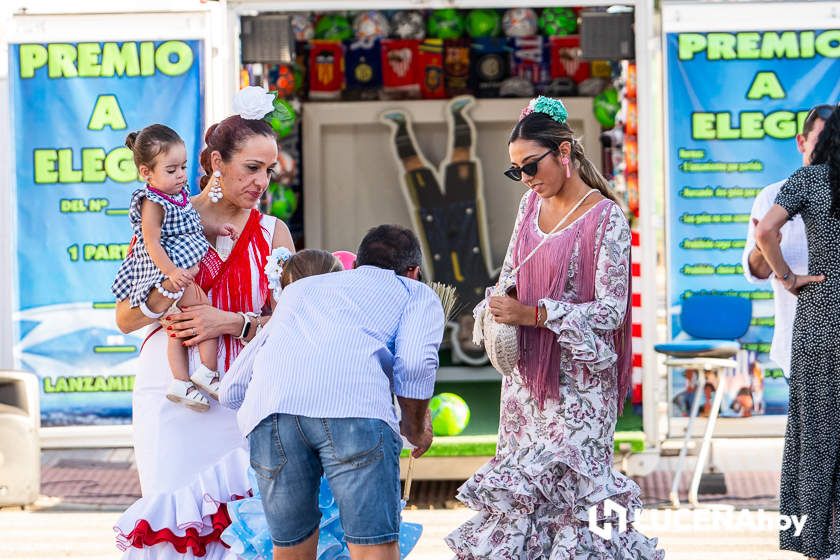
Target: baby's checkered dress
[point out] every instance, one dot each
(181, 236)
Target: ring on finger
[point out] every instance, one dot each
(193, 331)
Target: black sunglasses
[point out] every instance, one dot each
(530, 168)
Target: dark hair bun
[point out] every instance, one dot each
(131, 139)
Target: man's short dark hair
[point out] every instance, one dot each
(391, 247)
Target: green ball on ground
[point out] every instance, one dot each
(450, 414)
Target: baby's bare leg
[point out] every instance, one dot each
(178, 363)
(208, 349)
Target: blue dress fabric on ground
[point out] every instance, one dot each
(248, 536)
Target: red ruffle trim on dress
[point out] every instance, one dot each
(143, 535)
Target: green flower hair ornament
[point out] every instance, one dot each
(554, 108)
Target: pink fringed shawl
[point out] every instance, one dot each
(544, 276)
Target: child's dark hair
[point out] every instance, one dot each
(309, 262)
(149, 143)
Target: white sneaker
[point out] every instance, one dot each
(184, 392)
(207, 380)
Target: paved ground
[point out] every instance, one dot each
(107, 479)
(88, 536)
(84, 491)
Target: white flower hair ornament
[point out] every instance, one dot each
(274, 269)
(253, 103)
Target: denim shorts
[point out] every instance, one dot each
(360, 458)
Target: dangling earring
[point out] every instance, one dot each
(216, 189)
(565, 161)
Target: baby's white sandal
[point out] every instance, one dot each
(184, 392)
(207, 380)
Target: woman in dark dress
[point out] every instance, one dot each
(811, 465)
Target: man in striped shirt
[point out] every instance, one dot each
(315, 394)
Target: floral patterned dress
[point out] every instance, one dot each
(553, 464)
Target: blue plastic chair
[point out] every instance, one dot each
(711, 328)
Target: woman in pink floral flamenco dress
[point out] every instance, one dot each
(566, 275)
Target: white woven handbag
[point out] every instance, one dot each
(501, 342)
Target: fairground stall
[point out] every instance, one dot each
(387, 112)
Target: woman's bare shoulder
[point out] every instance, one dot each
(282, 236)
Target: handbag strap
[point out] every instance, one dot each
(544, 239)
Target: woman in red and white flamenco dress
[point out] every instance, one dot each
(191, 464)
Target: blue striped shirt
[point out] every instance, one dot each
(339, 345)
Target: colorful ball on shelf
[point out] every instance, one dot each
(283, 118)
(446, 24)
(519, 22)
(556, 22)
(483, 23)
(408, 25)
(285, 84)
(450, 414)
(284, 201)
(606, 106)
(371, 25)
(334, 27)
(302, 27)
